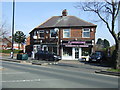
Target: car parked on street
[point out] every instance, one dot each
(46, 55)
(97, 56)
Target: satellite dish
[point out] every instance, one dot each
(56, 29)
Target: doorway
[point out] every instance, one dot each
(76, 53)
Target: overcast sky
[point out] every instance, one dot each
(28, 15)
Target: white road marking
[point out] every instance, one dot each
(33, 80)
(14, 73)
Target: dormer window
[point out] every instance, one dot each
(86, 33)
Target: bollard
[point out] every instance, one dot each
(33, 55)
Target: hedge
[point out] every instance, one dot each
(8, 51)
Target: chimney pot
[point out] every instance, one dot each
(64, 12)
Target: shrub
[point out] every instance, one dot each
(8, 51)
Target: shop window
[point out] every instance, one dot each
(86, 33)
(67, 51)
(66, 33)
(55, 50)
(86, 51)
(53, 33)
(52, 49)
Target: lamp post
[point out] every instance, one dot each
(13, 29)
(57, 30)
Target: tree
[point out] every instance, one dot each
(107, 11)
(19, 38)
(106, 43)
(99, 44)
(102, 44)
(99, 41)
(3, 29)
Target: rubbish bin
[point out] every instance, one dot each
(22, 56)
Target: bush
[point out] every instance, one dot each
(8, 51)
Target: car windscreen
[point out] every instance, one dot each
(98, 53)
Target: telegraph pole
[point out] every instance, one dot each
(12, 52)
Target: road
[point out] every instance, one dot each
(16, 75)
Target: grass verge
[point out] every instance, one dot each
(114, 70)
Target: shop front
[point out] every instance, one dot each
(76, 50)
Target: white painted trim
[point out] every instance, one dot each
(84, 31)
(69, 31)
(80, 52)
(73, 53)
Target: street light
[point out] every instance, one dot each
(57, 30)
(13, 28)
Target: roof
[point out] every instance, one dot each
(64, 21)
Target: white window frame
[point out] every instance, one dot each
(40, 31)
(66, 31)
(85, 31)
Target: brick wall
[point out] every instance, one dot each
(77, 34)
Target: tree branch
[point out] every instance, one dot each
(104, 21)
(117, 9)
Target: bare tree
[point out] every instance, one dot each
(107, 11)
(3, 29)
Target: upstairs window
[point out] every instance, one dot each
(53, 33)
(41, 34)
(86, 33)
(66, 33)
(35, 33)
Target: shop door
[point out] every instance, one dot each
(76, 53)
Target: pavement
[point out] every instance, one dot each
(101, 69)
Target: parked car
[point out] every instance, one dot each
(97, 56)
(84, 58)
(47, 56)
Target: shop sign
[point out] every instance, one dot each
(77, 42)
(76, 45)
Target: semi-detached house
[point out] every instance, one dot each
(68, 36)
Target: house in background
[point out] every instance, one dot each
(68, 36)
(6, 43)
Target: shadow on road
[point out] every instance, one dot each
(101, 64)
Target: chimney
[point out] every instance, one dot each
(64, 12)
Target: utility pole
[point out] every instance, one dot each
(12, 52)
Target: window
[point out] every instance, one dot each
(53, 33)
(66, 33)
(41, 34)
(67, 51)
(86, 33)
(35, 33)
(86, 51)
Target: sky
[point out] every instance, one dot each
(29, 15)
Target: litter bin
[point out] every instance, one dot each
(22, 56)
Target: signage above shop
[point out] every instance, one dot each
(76, 45)
(77, 42)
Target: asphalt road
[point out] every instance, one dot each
(16, 75)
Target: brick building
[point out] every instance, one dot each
(68, 36)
